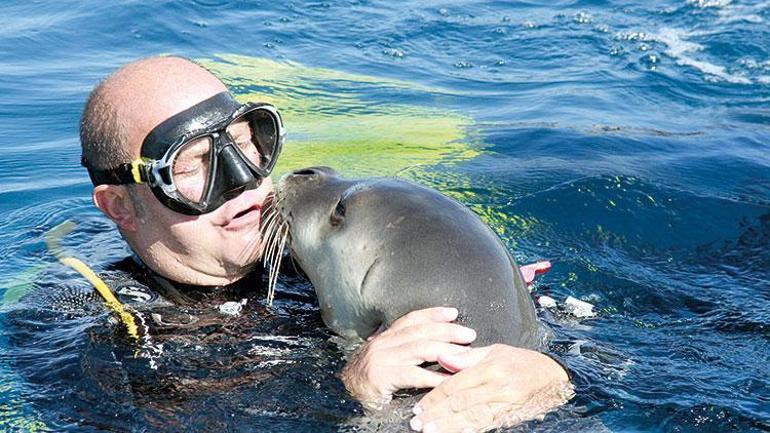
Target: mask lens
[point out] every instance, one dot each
(256, 134)
(191, 168)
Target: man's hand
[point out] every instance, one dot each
(496, 386)
(391, 360)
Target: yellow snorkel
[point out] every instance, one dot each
(52, 239)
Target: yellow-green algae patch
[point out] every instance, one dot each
(335, 118)
(350, 122)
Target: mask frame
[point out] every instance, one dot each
(231, 172)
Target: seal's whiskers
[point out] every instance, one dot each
(275, 265)
(274, 234)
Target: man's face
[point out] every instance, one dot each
(209, 249)
(214, 248)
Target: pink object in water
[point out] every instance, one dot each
(529, 272)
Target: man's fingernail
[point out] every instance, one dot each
(417, 409)
(466, 334)
(415, 424)
(450, 313)
(430, 427)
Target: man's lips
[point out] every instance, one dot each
(247, 217)
(242, 210)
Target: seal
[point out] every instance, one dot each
(376, 249)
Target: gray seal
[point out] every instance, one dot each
(376, 249)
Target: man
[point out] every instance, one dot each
(182, 169)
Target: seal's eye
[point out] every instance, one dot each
(338, 214)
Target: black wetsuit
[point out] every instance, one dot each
(197, 367)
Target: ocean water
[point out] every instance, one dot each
(627, 142)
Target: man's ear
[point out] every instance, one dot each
(115, 202)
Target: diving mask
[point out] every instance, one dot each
(200, 158)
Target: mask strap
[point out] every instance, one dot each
(134, 172)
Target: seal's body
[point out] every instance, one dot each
(377, 249)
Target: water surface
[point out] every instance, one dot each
(627, 142)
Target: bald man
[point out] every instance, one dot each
(183, 171)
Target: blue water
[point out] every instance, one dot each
(630, 139)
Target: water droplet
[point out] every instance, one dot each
(443, 12)
(285, 19)
(269, 45)
(500, 30)
(529, 24)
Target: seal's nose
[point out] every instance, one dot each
(314, 171)
(309, 174)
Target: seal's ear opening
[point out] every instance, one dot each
(338, 214)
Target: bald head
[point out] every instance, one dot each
(123, 108)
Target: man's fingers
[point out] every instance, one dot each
(442, 332)
(460, 360)
(471, 409)
(474, 419)
(489, 393)
(427, 315)
(417, 352)
(529, 272)
(416, 377)
(459, 382)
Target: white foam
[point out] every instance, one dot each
(680, 49)
(709, 3)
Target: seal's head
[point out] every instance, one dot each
(315, 202)
(378, 248)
